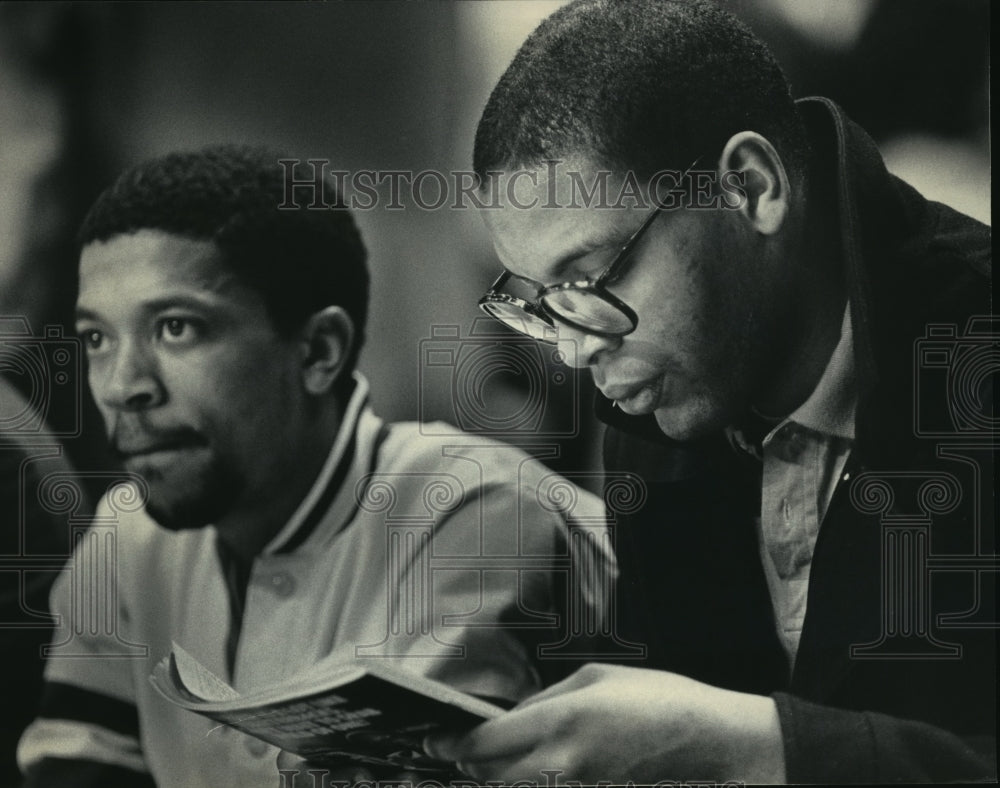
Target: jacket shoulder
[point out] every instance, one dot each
(945, 235)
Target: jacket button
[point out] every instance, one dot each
(282, 583)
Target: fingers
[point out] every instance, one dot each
(460, 750)
(584, 677)
(291, 766)
(444, 746)
(505, 737)
(517, 735)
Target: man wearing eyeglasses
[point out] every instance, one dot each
(811, 614)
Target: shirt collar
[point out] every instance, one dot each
(324, 493)
(830, 408)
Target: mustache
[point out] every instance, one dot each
(130, 437)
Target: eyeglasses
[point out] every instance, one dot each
(586, 304)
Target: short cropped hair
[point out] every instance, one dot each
(641, 85)
(298, 259)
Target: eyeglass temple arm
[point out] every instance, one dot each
(500, 281)
(626, 248)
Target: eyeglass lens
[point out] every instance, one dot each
(587, 310)
(517, 318)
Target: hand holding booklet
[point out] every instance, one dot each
(365, 712)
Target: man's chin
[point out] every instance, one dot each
(178, 515)
(197, 508)
(185, 495)
(686, 423)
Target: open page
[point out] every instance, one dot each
(371, 714)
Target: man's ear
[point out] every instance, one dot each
(327, 339)
(763, 179)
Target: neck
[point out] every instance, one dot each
(249, 527)
(817, 296)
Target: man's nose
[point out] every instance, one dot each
(580, 349)
(129, 381)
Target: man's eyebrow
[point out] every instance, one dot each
(610, 239)
(559, 269)
(162, 303)
(185, 301)
(85, 314)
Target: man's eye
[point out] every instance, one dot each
(177, 330)
(92, 339)
(591, 270)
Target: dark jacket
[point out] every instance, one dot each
(895, 674)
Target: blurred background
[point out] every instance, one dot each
(88, 89)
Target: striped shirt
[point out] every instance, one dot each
(446, 553)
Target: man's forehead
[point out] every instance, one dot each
(147, 244)
(571, 179)
(545, 217)
(155, 259)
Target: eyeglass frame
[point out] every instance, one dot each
(611, 273)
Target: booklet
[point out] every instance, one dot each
(364, 712)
